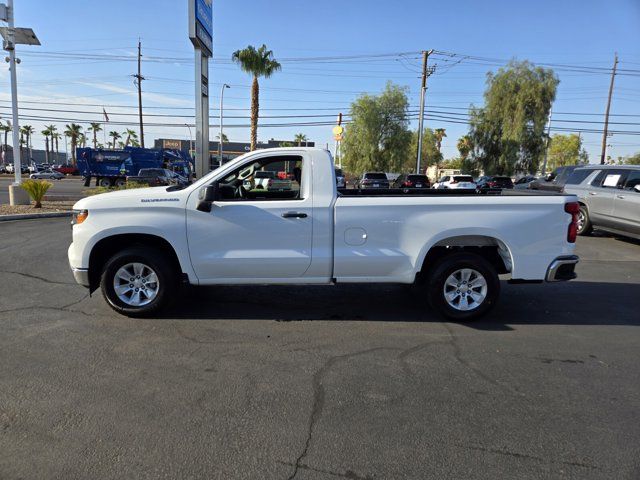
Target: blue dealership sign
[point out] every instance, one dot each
(204, 14)
(201, 25)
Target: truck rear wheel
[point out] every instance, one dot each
(104, 182)
(138, 281)
(120, 182)
(463, 286)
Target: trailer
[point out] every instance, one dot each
(111, 168)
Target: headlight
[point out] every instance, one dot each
(79, 216)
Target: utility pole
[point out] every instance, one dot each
(423, 90)
(606, 115)
(138, 82)
(224, 85)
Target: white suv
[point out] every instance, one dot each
(456, 181)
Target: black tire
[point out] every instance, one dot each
(105, 182)
(156, 260)
(587, 227)
(449, 265)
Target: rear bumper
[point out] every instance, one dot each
(562, 269)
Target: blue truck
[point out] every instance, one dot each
(112, 167)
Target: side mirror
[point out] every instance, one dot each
(549, 178)
(637, 188)
(207, 195)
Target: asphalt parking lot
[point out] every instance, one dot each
(352, 382)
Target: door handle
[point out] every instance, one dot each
(593, 193)
(294, 215)
(619, 196)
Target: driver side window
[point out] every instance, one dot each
(272, 178)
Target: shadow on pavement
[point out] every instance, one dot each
(573, 303)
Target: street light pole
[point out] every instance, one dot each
(17, 164)
(221, 118)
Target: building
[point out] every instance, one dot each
(37, 156)
(230, 150)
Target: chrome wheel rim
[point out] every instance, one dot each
(465, 289)
(581, 220)
(136, 284)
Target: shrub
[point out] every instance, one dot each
(126, 186)
(36, 190)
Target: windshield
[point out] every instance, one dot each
(417, 178)
(265, 174)
(463, 178)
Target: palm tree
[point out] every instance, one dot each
(73, 131)
(465, 145)
(225, 139)
(135, 142)
(300, 137)
(439, 134)
(259, 63)
(82, 140)
(28, 131)
(46, 132)
(55, 136)
(131, 135)
(116, 136)
(6, 129)
(95, 128)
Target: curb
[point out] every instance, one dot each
(32, 216)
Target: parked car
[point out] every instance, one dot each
(268, 180)
(340, 181)
(155, 177)
(494, 182)
(456, 181)
(373, 180)
(141, 245)
(523, 182)
(412, 180)
(67, 170)
(9, 168)
(553, 182)
(47, 174)
(609, 198)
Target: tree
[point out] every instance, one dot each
(430, 153)
(28, 131)
(73, 131)
(131, 135)
(630, 160)
(378, 138)
(259, 63)
(566, 150)
(115, 136)
(225, 139)
(5, 129)
(287, 144)
(439, 133)
(46, 132)
(300, 138)
(95, 128)
(508, 133)
(56, 137)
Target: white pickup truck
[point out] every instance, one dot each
(140, 245)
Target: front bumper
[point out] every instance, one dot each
(81, 275)
(562, 269)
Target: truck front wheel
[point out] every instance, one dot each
(463, 286)
(138, 281)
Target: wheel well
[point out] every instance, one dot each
(491, 249)
(109, 246)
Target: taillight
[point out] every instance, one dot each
(573, 208)
(408, 183)
(492, 184)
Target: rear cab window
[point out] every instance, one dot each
(463, 178)
(375, 176)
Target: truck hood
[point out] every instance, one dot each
(131, 198)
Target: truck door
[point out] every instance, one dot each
(254, 231)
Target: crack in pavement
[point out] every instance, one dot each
(348, 474)
(36, 277)
(319, 397)
(457, 353)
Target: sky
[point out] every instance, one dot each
(330, 53)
